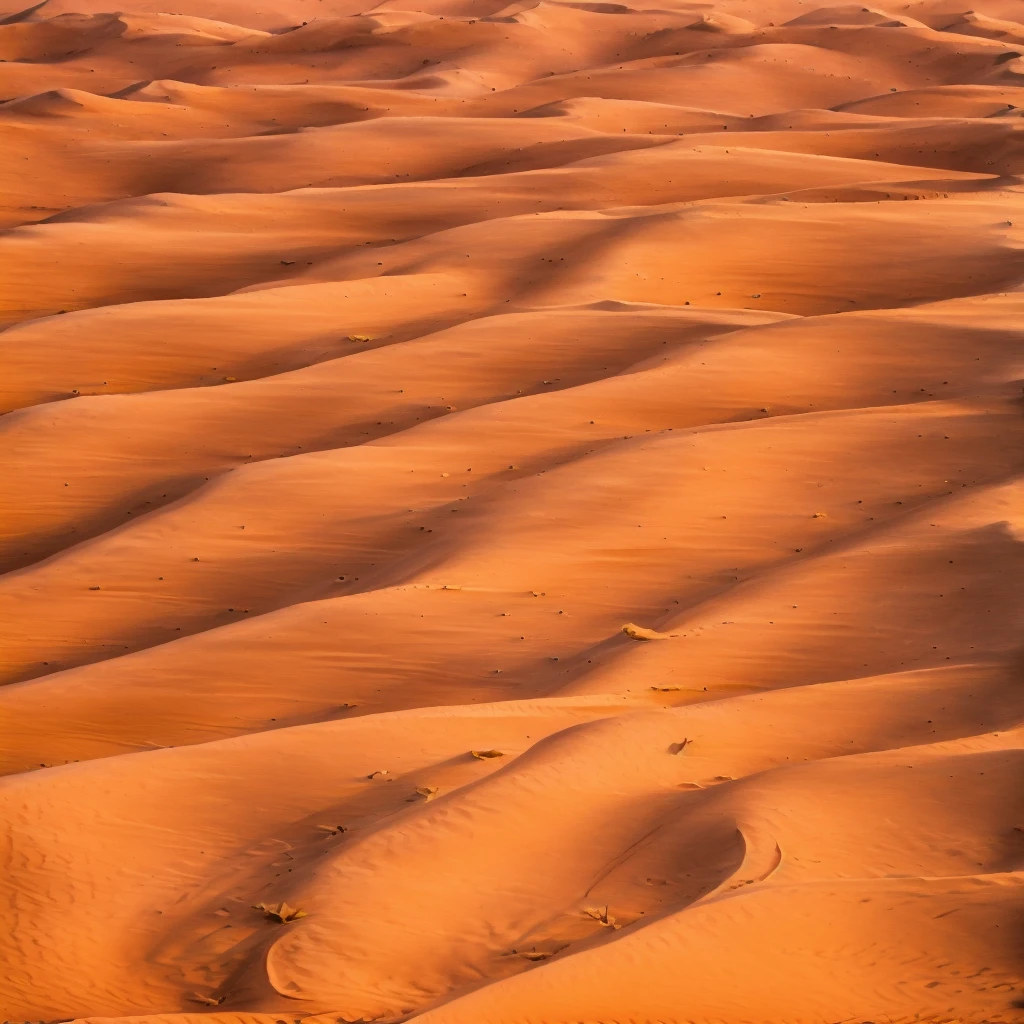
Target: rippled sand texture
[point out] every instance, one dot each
(367, 369)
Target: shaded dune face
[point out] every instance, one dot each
(511, 514)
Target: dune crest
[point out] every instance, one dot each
(512, 512)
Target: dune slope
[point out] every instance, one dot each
(381, 381)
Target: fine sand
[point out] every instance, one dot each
(512, 514)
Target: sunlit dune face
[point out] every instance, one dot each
(511, 514)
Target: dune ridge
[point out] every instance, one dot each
(382, 381)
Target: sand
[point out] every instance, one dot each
(511, 514)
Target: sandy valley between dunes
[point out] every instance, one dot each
(366, 369)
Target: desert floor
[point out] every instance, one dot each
(512, 514)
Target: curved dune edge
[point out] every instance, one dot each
(511, 513)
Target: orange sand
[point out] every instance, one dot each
(366, 369)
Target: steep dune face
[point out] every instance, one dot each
(382, 382)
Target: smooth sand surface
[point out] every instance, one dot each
(512, 514)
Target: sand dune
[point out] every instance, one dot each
(367, 369)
